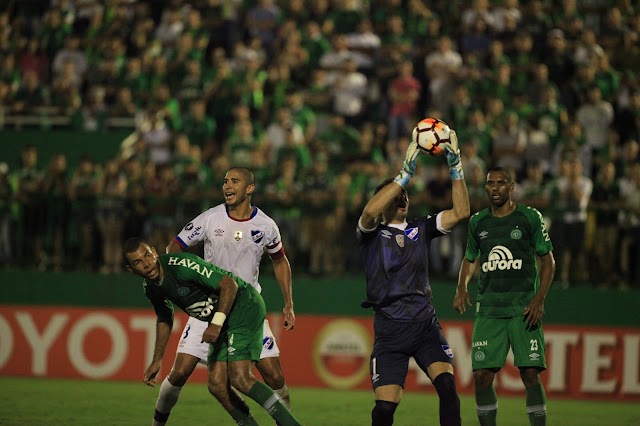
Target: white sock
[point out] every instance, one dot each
(167, 398)
(283, 394)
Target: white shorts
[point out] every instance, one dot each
(191, 341)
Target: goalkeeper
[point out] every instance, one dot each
(395, 253)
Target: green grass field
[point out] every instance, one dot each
(72, 402)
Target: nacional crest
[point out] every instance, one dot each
(237, 235)
(257, 235)
(400, 240)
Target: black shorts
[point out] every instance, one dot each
(395, 342)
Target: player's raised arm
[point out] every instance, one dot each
(459, 191)
(376, 205)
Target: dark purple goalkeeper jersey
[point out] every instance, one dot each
(397, 268)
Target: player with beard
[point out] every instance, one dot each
(506, 241)
(235, 235)
(395, 253)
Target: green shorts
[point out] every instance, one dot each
(492, 338)
(241, 335)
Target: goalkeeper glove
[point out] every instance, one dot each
(408, 166)
(452, 153)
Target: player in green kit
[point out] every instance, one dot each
(505, 241)
(235, 311)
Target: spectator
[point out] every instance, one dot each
(112, 189)
(404, 92)
(56, 189)
(6, 217)
(83, 192)
(442, 68)
(605, 203)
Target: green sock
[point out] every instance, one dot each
(242, 418)
(487, 403)
(536, 405)
(264, 395)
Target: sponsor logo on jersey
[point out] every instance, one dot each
(412, 233)
(201, 310)
(483, 235)
(218, 232)
(447, 350)
(400, 240)
(257, 235)
(534, 356)
(267, 342)
(480, 343)
(479, 356)
(386, 234)
(188, 263)
(516, 234)
(183, 291)
(501, 259)
(195, 232)
(188, 226)
(237, 235)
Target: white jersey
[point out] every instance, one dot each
(234, 245)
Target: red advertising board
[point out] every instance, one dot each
(322, 351)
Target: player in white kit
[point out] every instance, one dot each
(235, 236)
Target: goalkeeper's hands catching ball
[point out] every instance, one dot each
(409, 165)
(452, 153)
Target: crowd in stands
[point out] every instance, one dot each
(318, 98)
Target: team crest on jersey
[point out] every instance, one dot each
(447, 350)
(188, 226)
(400, 240)
(183, 291)
(257, 235)
(516, 234)
(412, 233)
(237, 235)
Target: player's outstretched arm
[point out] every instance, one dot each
(461, 300)
(460, 195)
(282, 271)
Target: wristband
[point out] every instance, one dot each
(218, 318)
(403, 178)
(456, 172)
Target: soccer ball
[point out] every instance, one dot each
(431, 135)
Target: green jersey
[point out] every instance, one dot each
(507, 247)
(190, 283)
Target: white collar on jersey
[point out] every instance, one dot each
(401, 226)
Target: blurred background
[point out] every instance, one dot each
(120, 118)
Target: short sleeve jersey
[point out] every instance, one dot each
(397, 268)
(189, 283)
(234, 245)
(506, 248)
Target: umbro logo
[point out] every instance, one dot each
(386, 234)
